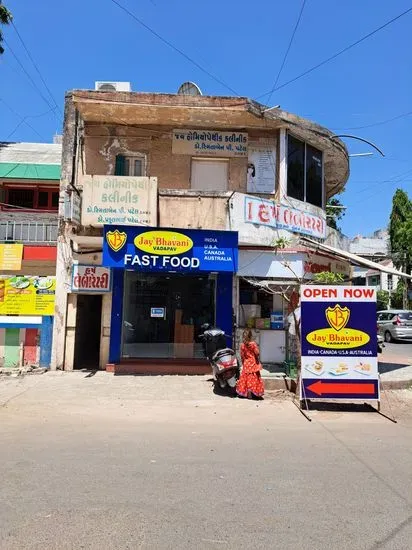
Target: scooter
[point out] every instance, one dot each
(222, 359)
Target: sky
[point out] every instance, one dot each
(75, 43)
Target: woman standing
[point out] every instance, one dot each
(250, 382)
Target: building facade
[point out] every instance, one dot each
(375, 247)
(190, 208)
(29, 201)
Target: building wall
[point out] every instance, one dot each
(193, 212)
(102, 144)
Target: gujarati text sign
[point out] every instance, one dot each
(91, 278)
(271, 214)
(23, 295)
(119, 200)
(10, 257)
(209, 143)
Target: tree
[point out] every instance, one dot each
(400, 234)
(382, 300)
(5, 19)
(334, 212)
(291, 294)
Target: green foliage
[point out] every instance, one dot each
(281, 243)
(397, 296)
(334, 212)
(382, 299)
(328, 278)
(400, 231)
(5, 19)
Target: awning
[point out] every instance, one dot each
(353, 258)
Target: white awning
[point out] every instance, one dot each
(353, 258)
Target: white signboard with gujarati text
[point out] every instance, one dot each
(91, 278)
(279, 216)
(261, 170)
(211, 143)
(122, 200)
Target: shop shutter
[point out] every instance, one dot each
(119, 169)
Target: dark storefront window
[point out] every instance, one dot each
(163, 314)
(305, 172)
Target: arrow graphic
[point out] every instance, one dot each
(321, 388)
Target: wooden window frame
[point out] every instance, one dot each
(35, 207)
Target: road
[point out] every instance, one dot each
(403, 350)
(104, 462)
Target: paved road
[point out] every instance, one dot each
(103, 462)
(403, 350)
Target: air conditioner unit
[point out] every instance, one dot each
(106, 86)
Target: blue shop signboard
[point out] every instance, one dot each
(181, 250)
(339, 343)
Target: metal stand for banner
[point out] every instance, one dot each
(299, 406)
(378, 409)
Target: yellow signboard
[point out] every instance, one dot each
(10, 257)
(27, 295)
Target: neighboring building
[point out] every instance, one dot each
(29, 201)
(375, 248)
(205, 173)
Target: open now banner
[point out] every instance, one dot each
(339, 343)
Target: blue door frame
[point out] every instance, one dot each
(224, 309)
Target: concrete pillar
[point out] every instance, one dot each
(105, 330)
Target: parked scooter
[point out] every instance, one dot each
(222, 359)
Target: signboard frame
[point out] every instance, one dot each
(76, 271)
(151, 249)
(339, 343)
(123, 200)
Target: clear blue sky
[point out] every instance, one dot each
(243, 43)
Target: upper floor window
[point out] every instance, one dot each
(130, 166)
(305, 172)
(210, 174)
(31, 198)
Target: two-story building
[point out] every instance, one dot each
(29, 201)
(194, 209)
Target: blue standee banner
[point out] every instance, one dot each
(339, 343)
(158, 249)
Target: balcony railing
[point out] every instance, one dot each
(28, 232)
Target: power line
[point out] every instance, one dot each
(173, 47)
(334, 56)
(35, 66)
(380, 123)
(287, 51)
(24, 118)
(30, 77)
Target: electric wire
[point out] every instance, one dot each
(36, 67)
(287, 51)
(173, 47)
(337, 54)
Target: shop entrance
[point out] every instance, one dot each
(88, 328)
(163, 314)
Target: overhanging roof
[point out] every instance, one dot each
(353, 258)
(170, 111)
(12, 170)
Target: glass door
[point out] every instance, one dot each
(163, 314)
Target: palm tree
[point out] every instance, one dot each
(5, 19)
